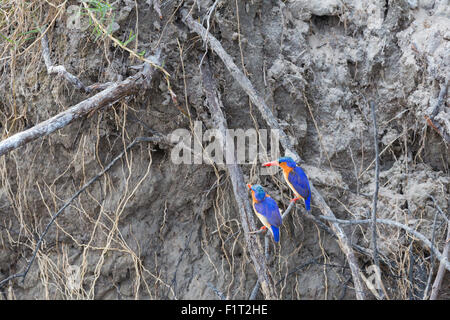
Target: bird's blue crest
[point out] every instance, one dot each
(259, 192)
(289, 161)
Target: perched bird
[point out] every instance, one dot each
(266, 210)
(295, 178)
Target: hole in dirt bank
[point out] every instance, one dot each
(325, 22)
(432, 151)
(352, 69)
(386, 9)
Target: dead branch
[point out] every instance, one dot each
(239, 187)
(75, 196)
(267, 114)
(60, 70)
(425, 292)
(443, 260)
(439, 209)
(375, 193)
(288, 209)
(266, 254)
(254, 291)
(442, 266)
(107, 97)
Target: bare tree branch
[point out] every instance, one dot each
(375, 193)
(107, 97)
(267, 114)
(443, 215)
(266, 254)
(239, 76)
(60, 70)
(421, 237)
(239, 188)
(444, 132)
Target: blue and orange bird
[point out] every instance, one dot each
(296, 179)
(266, 209)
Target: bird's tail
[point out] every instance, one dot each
(308, 203)
(276, 233)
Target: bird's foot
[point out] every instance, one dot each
(262, 229)
(295, 199)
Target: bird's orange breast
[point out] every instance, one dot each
(286, 178)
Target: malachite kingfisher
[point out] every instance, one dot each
(266, 209)
(295, 178)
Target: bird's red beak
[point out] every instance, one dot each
(269, 164)
(249, 186)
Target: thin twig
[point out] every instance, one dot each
(441, 98)
(60, 70)
(425, 292)
(421, 237)
(441, 271)
(156, 7)
(267, 114)
(300, 267)
(430, 119)
(375, 193)
(216, 291)
(207, 18)
(74, 196)
(360, 249)
(411, 271)
(288, 209)
(439, 209)
(411, 262)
